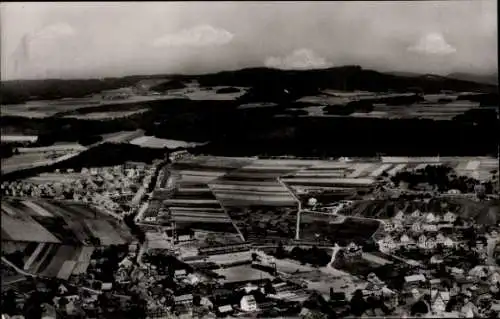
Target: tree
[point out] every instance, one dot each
(357, 303)
(9, 306)
(280, 251)
(63, 301)
(420, 307)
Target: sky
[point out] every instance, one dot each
(98, 39)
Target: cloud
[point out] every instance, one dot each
(433, 44)
(199, 36)
(298, 59)
(53, 31)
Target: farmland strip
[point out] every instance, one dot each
(39, 210)
(34, 256)
(380, 170)
(396, 169)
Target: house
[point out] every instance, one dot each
(494, 277)
(448, 242)
(416, 227)
(186, 299)
(248, 303)
(180, 273)
(49, 311)
(430, 227)
(449, 217)
(405, 239)
(422, 239)
(388, 226)
(400, 216)
(62, 290)
(414, 281)
(416, 214)
(106, 286)
(439, 300)
(387, 244)
(126, 263)
(430, 218)
(224, 310)
(192, 279)
(436, 259)
(478, 272)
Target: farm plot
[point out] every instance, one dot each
(36, 210)
(242, 273)
(154, 142)
(59, 228)
(29, 160)
(354, 230)
(255, 185)
(43, 258)
(328, 182)
(64, 253)
(104, 231)
(25, 230)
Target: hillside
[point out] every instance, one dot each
(266, 82)
(487, 79)
(484, 213)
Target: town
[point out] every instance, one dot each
(199, 236)
(302, 160)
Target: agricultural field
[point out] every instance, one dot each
(104, 231)
(242, 273)
(105, 115)
(154, 142)
(17, 225)
(122, 137)
(61, 261)
(197, 207)
(257, 184)
(33, 159)
(58, 222)
(323, 229)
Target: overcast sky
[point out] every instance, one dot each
(112, 39)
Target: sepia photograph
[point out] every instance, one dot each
(253, 159)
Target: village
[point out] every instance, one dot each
(190, 259)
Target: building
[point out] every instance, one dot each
(248, 303)
(186, 299)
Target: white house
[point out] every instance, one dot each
(430, 218)
(388, 226)
(449, 217)
(448, 242)
(248, 303)
(400, 216)
(416, 227)
(430, 227)
(439, 300)
(436, 259)
(405, 239)
(416, 213)
(388, 244)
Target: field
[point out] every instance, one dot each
(242, 273)
(33, 159)
(105, 115)
(58, 222)
(154, 142)
(350, 230)
(104, 231)
(122, 137)
(53, 260)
